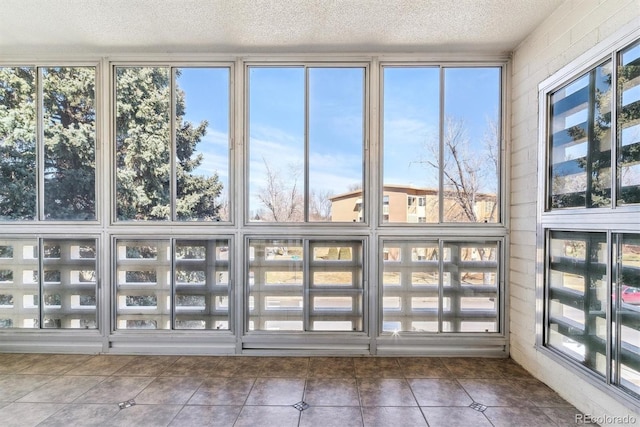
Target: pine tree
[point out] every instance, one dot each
(143, 147)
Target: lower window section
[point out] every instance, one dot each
(54, 290)
(580, 301)
(440, 286)
(305, 285)
(172, 284)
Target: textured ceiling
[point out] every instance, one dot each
(267, 26)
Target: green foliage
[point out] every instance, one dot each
(143, 145)
(17, 144)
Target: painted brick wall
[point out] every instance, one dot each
(575, 27)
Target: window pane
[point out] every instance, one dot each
(629, 126)
(19, 288)
(143, 143)
(202, 144)
(69, 284)
(577, 297)
(17, 143)
(276, 285)
(69, 143)
(276, 144)
(470, 297)
(411, 115)
(336, 286)
(580, 141)
(628, 311)
(410, 286)
(471, 144)
(143, 283)
(202, 291)
(336, 141)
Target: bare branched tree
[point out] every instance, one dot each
(280, 196)
(320, 205)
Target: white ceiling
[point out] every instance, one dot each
(267, 26)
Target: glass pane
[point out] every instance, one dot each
(580, 141)
(629, 126)
(276, 285)
(627, 286)
(202, 292)
(69, 143)
(143, 143)
(471, 144)
(276, 144)
(69, 284)
(336, 141)
(19, 288)
(336, 286)
(143, 284)
(470, 297)
(577, 297)
(410, 286)
(411, 113)
(202, 144)
(17, 143)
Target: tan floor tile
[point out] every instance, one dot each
(285, 367)
(378, 367)
(439, 392)
(327, 416)
(169, 391)
(331, 392)
(222, 391)
(518, 416)
(27, 414)
(331, 367)
(206, 416)
(385, 392)
(454, 417)
(423, 367)
(147, 366)
(240, 366)
(494, 392)
(13, 387)
(63, 389)
(276, 391)
(115, 389)
(145, 415)
(193, 366)
(392, 416)
(268, 416)
(85, 415)
(101, 365)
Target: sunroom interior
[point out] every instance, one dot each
(308, 178)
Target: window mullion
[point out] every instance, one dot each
(40, 151)
(173, 184)
(441, 150)
(305, 197)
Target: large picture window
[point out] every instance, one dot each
(48, 143)
(172, 143)
(306, 143)
(441, 139)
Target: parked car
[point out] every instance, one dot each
(630, 295)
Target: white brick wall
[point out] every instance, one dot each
(575, 27)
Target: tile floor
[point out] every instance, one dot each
(73, 390)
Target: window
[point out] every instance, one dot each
(173, 284)
(590, 280)
(230, 225)
(48, 143)
(48, 283)
(431, 286)
(172, 143)
(450, 155)
(305, 285)
(306, 143)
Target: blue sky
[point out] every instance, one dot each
(411, 115)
